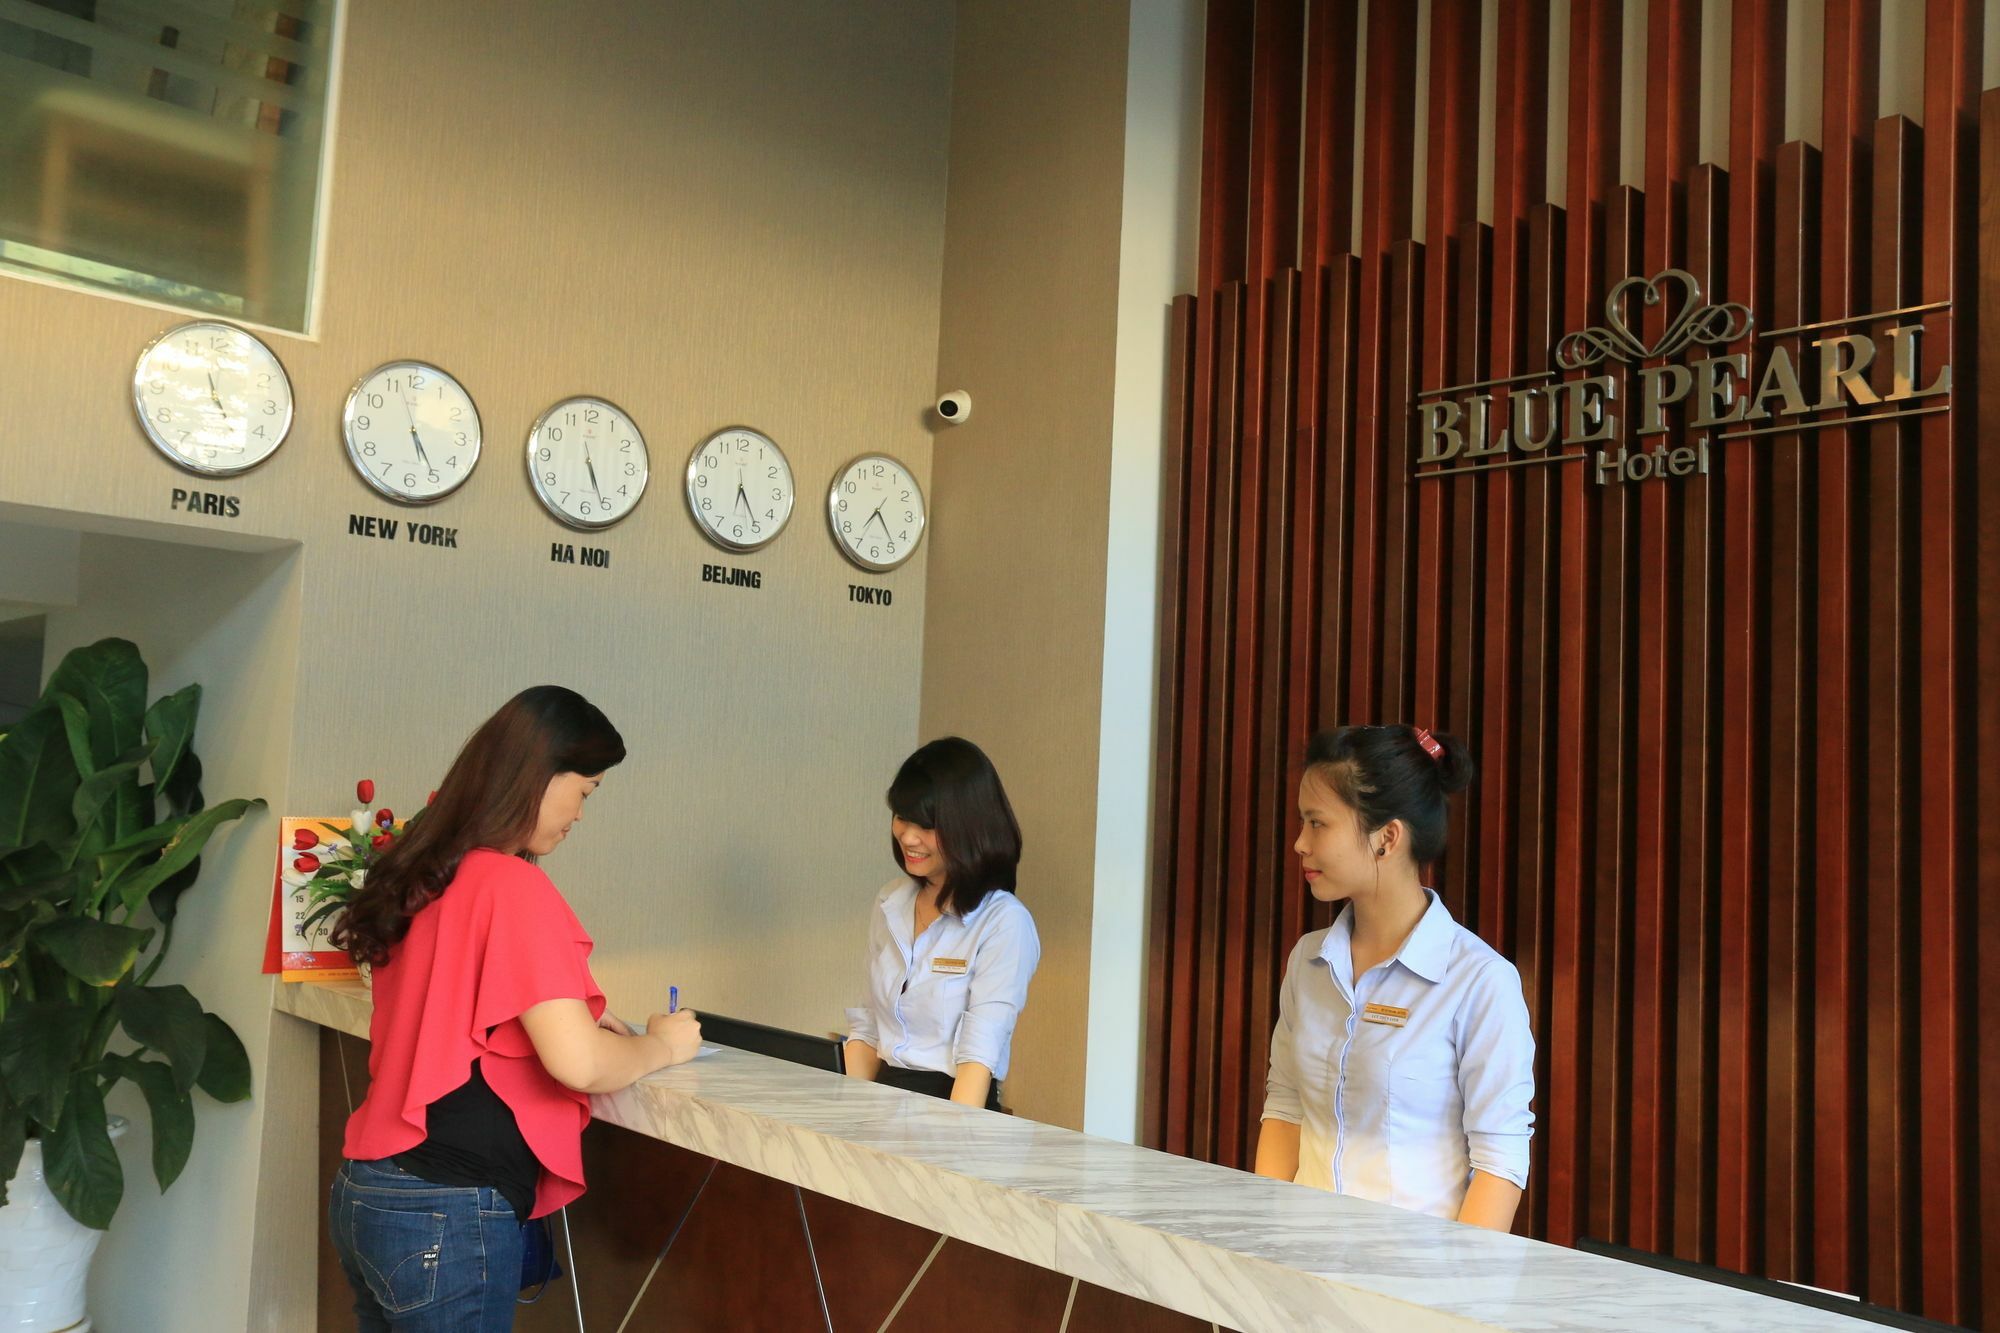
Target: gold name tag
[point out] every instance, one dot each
(954, 967)
(1387, 1014)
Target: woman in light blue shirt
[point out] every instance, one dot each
(1402, 1066)
(950, 948)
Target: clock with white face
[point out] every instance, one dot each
(212, 398)
(739, 488)
(876, 512)
(412, 432)
(587, 462)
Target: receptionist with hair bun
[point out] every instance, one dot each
(1402, 1066)
(951, 949)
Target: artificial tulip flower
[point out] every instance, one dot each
(381, 840)
(385, 817)
(364, 791)
(431, 799)
(361, 821)
(305, 863)
(304, 840)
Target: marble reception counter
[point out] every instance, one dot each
(1213, 1243)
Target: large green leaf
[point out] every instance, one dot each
(38, 779)
(173, 1114)
(169, 724)
(101, 796)
(109, 678)
(167, 1019)
(79, 1161)
(193, 836)
(55, 890)
(165, 898)
(41, 1041)
(13, 1138)
(225, 1074)
(95, 952)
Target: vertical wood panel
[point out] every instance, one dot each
(1175, 471)
(1847, 115)
(1756, 114)
(1387, 148)
(1953, 40)
(1673, 87)
(1888, 768)
(1986, 778)
(1786, 812)
(1595, 46)
(1698, 923)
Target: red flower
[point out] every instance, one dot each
(381, 840)
(305, 863)
(431, 798)
(364, 791)
(304, 840)
(385, 817)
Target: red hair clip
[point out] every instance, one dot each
(1430, 744)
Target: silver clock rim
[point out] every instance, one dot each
(833, 512)
(791, 503)
(535, 484)
(173, 455)
(347, 436)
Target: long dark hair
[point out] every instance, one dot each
(1385, 773)
(951, 786)
(492, 797)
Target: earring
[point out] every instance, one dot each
(1381, 851)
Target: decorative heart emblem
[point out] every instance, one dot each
(1653, 291)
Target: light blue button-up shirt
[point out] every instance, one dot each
(1404, 1114)
(952, 995)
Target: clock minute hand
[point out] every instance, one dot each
(214, 397)
(592, 469)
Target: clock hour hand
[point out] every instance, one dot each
(592, 469)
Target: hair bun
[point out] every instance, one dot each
(1455, 769)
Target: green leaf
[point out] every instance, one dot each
(41, 1041)
(169, 724)
(109, 679)
(107, 788)
(95, 952)
(13, 1138)
(165, 897)
(167, 1019)
(173, 1114)
(193, 836)
(76, 729)
(225, 1074)
(80, 1163)
(55, 890)
(38, 778)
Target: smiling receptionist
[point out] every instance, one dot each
(950, 948)
(1402, 1066)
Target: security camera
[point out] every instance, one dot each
(955, 406)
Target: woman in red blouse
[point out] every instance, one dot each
(488, 1034)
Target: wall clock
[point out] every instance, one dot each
(876, 512)
(412, 431)
(587, 462)
(739, 488)
(212, 398)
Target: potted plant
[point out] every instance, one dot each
(102, 824)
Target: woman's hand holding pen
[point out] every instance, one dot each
(679, 1032)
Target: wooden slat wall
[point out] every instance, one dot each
(1739, 733)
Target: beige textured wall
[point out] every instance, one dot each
(1014, 615)
(711, 214)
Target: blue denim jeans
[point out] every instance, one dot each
(421, 1257)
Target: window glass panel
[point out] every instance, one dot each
(166, 148)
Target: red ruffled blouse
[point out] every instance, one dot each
(497, 942)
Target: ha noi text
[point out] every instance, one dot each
(1838, 372)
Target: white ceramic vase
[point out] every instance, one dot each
(44, 1253)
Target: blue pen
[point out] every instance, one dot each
(673, 999)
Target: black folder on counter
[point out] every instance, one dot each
(779, 1043)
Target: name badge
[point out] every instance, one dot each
(951, 967)
(1386, 1014)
